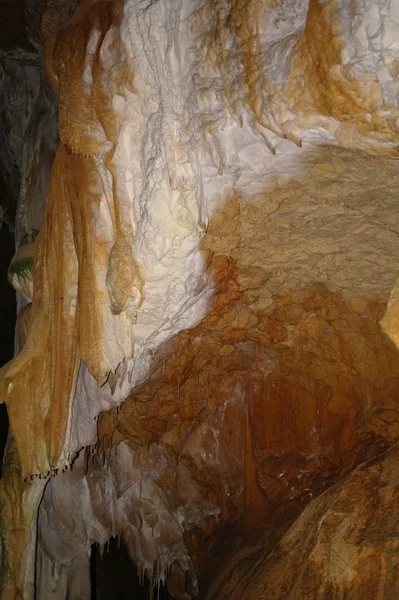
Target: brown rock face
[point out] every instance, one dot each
(266, 413)
(344, 545)
(211, 348)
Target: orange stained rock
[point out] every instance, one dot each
(39, 384)
(320, 82)
(390, 320)
(319, 87)
(86, 286)
(274, 419)
(19, 503)
(343, 545)
(108, 274)
(83, 82)
(72, 316)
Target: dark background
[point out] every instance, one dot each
(7, 321)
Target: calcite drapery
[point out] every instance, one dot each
(38, 384)
(73, 270)
(212, 178)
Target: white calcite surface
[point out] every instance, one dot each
(189, 138)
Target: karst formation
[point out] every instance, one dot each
(204, 197)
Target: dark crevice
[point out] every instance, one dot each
(7, 322)
(113, 575)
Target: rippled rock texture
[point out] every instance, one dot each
(203, 355)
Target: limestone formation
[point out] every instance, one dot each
(211, 347)
(344, 545)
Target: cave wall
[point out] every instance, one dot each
(203, 353)
(344, 544)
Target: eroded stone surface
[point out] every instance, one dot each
(343, 545)
(219, 245)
